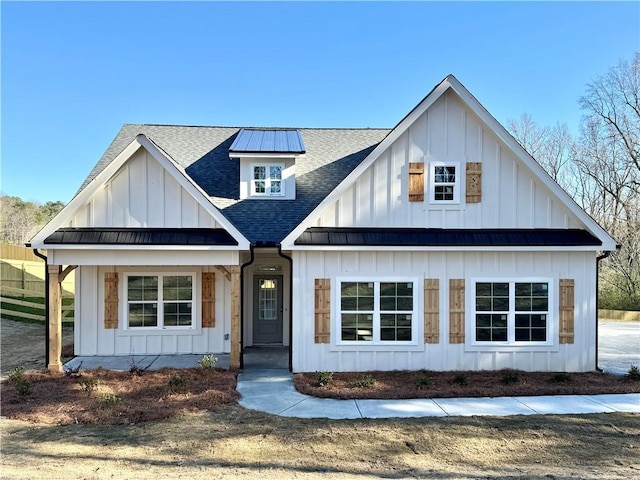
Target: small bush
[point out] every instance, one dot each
(324, 378)
(177, 384)
(561, 377)
(135, 369)
(106, 400)
(73, 372)
(363, 381)
(421, 381)
(510, 376)
(208, 362)
(461, 378)
(19, 381)
(633, 373)
(89, 384)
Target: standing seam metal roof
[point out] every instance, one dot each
(250, 140)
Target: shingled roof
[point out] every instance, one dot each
(203, 152)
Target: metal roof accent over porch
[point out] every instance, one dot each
(140, 236)
(251, 140)
(436, 237)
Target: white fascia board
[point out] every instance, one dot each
(367, 248)
(608, 243)
(81, 198)
(234, 155)
(397, 131)
(195, 190)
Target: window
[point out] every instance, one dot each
(444, 184)
(512, 312)
(159, 301)
(376, 312)
(267, 180)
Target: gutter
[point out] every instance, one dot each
(242, 267)
(46, 300)
(290, 261)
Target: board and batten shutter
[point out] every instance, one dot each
(322, 310)
(208, 299)
(416, 182)
(566, 307)
(431, 310)
(456, 310)
(110, 300)
(474, 182)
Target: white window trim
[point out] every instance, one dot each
(416, 322)
(552, 317)
(456, 185)
(267, 193)
(195, 301)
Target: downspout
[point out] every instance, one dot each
(242, 267)
(599, 258)
(290, 260)
(46, 301)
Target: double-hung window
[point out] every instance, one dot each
(266, 179)
(444, 182)
(512, 312)
(157, 301)
(377, 312)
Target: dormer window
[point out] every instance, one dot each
(267, 162)
(444, 182)
(267, 179)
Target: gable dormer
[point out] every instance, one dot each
(267, 162)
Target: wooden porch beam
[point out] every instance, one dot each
(234, 271)
(222, 269)
(54, 362)
(63, 273)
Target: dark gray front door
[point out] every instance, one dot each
(267, 309)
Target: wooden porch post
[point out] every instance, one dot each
(234, 361)
(55, 320)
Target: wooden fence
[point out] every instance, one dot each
(22, 285)
(619, 315)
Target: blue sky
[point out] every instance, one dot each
(73, 73)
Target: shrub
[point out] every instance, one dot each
(73, 372)
(461, 378)
(510, 376)
(363, 381)
(135, 369)
(89, 384)
(177, 384)
(106, 400)
(633, 373)
(422, 381)
(324, 378)
(561, 377)
(208, 362)
(19, 381)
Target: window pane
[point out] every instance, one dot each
(276, 187)
(500, 289)
(483, 304)
(499, 335)
(143, 315)
(388, 289)
(142, 288)
(500, 304)
(275, 173)
(540, 304)
(531, 328)
(387, 303)
(404, 335)
(176, 287)
(483, 289)
(177, 314)
(259, 173)
(443, 193)
(540, 289)
(405, 303)
(523, 304)
(388, 334)
(260, 186)
(388, 320)
(523, 289)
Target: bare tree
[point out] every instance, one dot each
(20, 220)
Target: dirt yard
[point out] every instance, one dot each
(232, 442)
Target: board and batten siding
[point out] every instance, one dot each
(448, 132)
(310, 356)
(142, 194)
(92, 338)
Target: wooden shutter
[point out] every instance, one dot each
(456, 310)
(416, 182)
(431, 310)
(566, 306)
(474, 182)
(208, 299)
(111, 300)
(322, 310)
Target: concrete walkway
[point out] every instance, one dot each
(272, 391)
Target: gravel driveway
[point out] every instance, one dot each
(619, 346)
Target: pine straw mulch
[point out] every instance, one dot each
(104, 397)
(428, 384)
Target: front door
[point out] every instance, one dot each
(267, 309)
